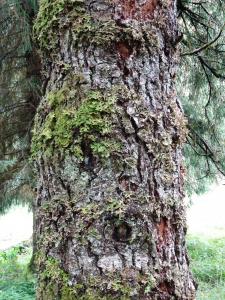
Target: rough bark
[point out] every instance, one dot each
(109, 214)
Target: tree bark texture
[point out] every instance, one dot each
(107, 145)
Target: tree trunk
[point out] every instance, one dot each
(107, 144)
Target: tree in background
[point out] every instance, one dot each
(19, 97)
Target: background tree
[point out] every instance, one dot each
(19, 97)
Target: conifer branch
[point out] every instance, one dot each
(205, 46)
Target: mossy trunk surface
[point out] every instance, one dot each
(107, 145)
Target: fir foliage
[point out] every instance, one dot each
(201, 89)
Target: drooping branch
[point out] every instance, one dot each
(205, 148)
(205, 46)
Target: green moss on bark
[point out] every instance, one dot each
(86, 29)
(48, 18)
(72, 128)
(53, 280)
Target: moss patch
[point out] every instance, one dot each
(48, 19)
(77, 129)
(53, 281)
(58, 15)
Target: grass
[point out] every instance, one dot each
(207, 263)
(208, 266)
(16, 283)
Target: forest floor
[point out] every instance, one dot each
(207, 256)
(16, 282)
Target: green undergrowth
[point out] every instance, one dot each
(208, 266)
(207, 263)
(16, 282)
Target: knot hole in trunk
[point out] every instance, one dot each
(122, 232)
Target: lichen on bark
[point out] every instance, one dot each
(109, 206)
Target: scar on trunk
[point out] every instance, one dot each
(148, 8)
(162, 229)
(132, 10)
(122, 232)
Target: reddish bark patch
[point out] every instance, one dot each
(162, 229)
(132, 10)
(148, 8)
(124, 50)
(128, 8)
(165, 234)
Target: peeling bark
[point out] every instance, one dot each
(110, 222)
